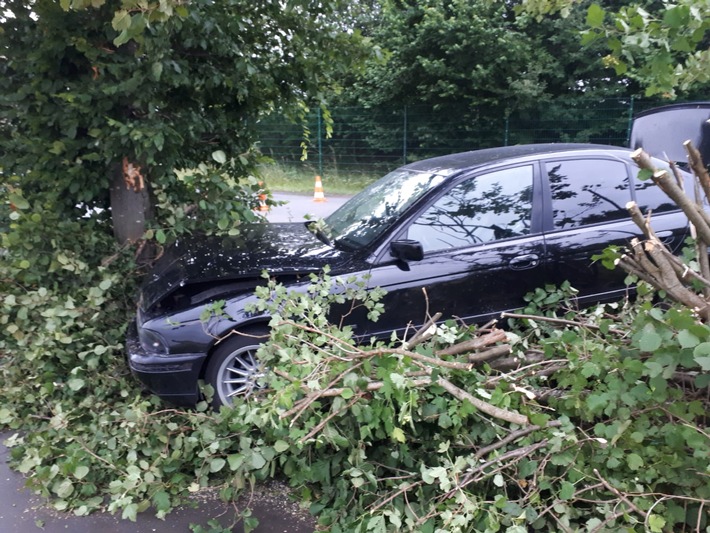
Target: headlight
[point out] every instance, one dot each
(152, 342)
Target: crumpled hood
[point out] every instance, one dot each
(276, 248)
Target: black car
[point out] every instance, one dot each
(478, 230)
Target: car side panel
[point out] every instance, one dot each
(474, 284)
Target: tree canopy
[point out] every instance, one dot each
(83, 92)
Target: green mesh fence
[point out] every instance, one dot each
(376, 140)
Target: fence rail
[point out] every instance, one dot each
(376, 140)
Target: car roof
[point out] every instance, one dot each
(673, 107)
(477, 158)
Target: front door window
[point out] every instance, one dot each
(483, 209)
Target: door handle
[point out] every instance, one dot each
(524, 262)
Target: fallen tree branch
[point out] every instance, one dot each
(512, 363)
(424, 333)
(491, 353)
(455, 391)
(454, 365)
(560, 321)
(675, 193)
(484, 407)
(695, 161)
(482, 341)
(518, 454)
(515, 435)
(332, 392)
(328, 418)
(619, 495)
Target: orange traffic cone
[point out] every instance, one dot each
(263, 208)
(319, 195)
(262, 203)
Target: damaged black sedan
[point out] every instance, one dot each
(478, 230)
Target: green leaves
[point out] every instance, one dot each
(595, 16)
(219, 156)
(111, 71)
(622, 400)
(217, 464)
(649, 340)
(121, 20)
(677, 17)
(701, 353)
(634, 461)
(18, 201)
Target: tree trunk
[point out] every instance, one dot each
(131, 202)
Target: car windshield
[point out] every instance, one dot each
(369, 214)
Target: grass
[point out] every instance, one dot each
(301, 179)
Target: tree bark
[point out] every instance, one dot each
(131, 202)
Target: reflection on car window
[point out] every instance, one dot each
(588, 191)
(374, 210)
(482, 209)
(650, 197)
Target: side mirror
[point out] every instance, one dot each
(407, 250)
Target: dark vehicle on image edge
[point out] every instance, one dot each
(478, 229)
(661, 131)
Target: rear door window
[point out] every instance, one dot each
(650, 197)
(587, 191)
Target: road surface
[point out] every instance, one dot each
(297, 206)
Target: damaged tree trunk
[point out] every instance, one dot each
(131, 202)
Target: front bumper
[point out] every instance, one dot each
(173, 378)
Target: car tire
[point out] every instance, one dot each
(233, 369)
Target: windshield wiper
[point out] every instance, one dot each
(347, 244)
(319, 230)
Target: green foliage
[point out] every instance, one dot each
(368, 433)
(437, 54)
(662, 45)
(452, 73)
(616, 396)
(84, 88)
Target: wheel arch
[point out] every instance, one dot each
(242, 327)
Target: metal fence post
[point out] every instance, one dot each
(320, 145)
(404, 138)
(630, 121)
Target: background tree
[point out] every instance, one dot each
(439, 52)
(462, 69)
(663, 45)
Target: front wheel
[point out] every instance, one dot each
(233, 369)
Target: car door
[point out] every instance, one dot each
(586, 213)
(482, 252)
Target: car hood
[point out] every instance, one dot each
(288, 248)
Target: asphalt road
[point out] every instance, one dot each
(22, 511)
(299, 205)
